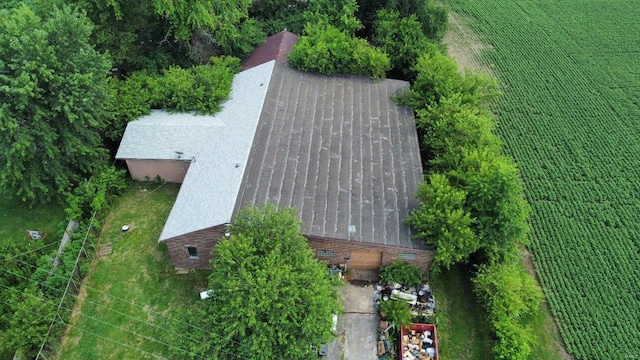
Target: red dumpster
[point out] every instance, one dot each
(418, 342)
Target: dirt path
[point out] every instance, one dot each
(465, 46)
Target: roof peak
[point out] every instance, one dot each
(276, 47)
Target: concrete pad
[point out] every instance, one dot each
(358, 326)
(361, 331)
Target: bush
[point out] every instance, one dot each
(510, 296)
(403, 273)
(328, 50)
(397, 312)
(437, 76)
(200, 88)
(94, 194)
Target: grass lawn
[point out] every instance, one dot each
(16, 217)
(131, 294)
(463, 329)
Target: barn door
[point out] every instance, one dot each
(365, 260)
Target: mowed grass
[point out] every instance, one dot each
(464, 331)
(16, 217)
(569, 116)
(132, 294)
(463, 328)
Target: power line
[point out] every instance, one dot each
(103, 322)
(133, 305)
(109, 309)
(128, 303)
(27, 252)
(105, 338)
(75, 265)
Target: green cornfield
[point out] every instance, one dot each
(570, 116)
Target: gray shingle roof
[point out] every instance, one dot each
(336, 148)
(219, 145)
(340, 151)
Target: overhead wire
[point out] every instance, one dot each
(149, 338)
(128, 302)
(102, 337)
(151, 325)
(26, 252)
(168, 317)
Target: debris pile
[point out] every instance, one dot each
(385, 346)
(420, 299)
(418, 345)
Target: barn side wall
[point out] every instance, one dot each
(343, 249)
(205, 240)
(172, 171)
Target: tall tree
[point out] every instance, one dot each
(340, 14)
(401, 38)
(277, 15)
(52, 88)
(442, 221)
(134, 35)
(220, 27)
(271, 298)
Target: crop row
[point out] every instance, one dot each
(569, 116)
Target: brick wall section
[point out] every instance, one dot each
(206, 239)
(342, 249)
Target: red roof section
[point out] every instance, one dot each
(277, 47)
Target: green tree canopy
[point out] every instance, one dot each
(271, 298)
(134, 35)
(340, 14)
(211, 27)
(510, 295)
(274, 16)
(437, 76)
(52, 89)
(402, 38)
(431, 16)
(451, 125)
(328, 50)
(495, 200)
(442, 221)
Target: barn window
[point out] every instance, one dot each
(407, 256)
(326, 253)
(192, 251)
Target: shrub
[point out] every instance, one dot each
(510, 296)
(403, 273)
(93, 194)
(397, 312)
(328, 50)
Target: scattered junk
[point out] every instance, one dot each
(35, 235)
(337, 271)
(418, 342)
(385, 343)
(420, 299)
(125, 228)
(206, 294)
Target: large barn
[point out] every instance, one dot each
(336, 148)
